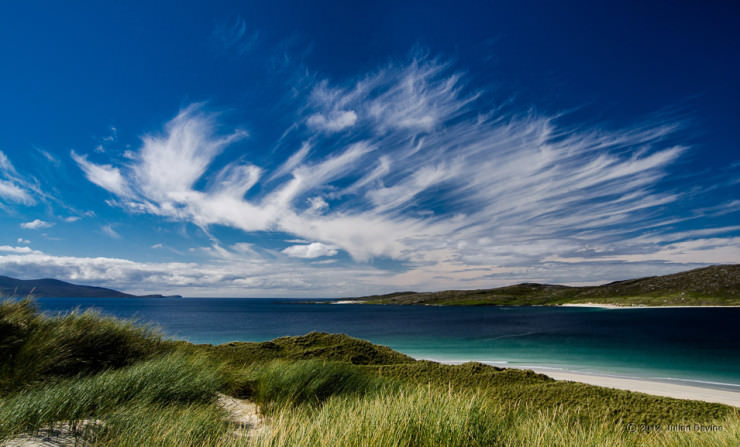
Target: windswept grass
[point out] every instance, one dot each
(516, 387)
(170, 380)
(120, 385)
(432, 416)
(283, 383)
(190, 425)
(413, 417)
(34, 348)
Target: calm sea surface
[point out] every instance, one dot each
(693, 345)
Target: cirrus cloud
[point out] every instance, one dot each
(427, 172)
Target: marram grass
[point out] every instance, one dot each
(118, 385)
(431, 416)
(171, 380)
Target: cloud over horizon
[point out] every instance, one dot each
(411, 164)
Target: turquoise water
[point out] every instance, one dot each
(701, 346)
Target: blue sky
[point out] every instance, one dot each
(347, 148)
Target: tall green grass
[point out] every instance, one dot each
(35, 348)
(432, 416)
(134, 389)
(279, 383)
(170, 380)
(592, 404)
(148, 425)
(413, 417)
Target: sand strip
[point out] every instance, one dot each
(639, 306)
(639, 385)
(653, 387)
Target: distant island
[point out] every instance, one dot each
(54, 288)
(717, 285)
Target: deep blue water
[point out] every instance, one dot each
(698, 344)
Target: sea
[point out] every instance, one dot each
(693, 346)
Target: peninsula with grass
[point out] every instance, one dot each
(717, 285)
(88, 380)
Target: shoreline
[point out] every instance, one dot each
(587, 305)
(640, 306)
(655, 387)
(649, 386)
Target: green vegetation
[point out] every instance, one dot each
(34, 348)
(280, 383)
(709, 286)
(172, 379)
(335, 347)
(428, 416)
(131, 388)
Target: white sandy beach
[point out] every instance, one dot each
(614, 306)
(639, 385)
(654, 387)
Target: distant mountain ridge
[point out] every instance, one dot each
(717, 285)
(54, 288)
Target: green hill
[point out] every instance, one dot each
(709, 286)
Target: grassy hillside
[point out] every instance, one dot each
(715, 285)
(114, 383)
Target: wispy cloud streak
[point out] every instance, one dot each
(13, 188)
(410, 163)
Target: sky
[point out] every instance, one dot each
(328, 149)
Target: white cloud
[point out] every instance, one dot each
(72, 219)
(5, 164)
(8, 248)
(294, 160)
(310, 251)
(157, 246)
(425, 172)
(13, 188)
(334, 121)
(48, 156)
(15, 193)
(250, 276)
(105, 176)
(246, 278)
(244, 248)
(108, 230)
(701, 251)
(36, 224)
(20, 240)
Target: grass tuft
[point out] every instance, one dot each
(170, 380)
(312, 382)
(35, 348)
